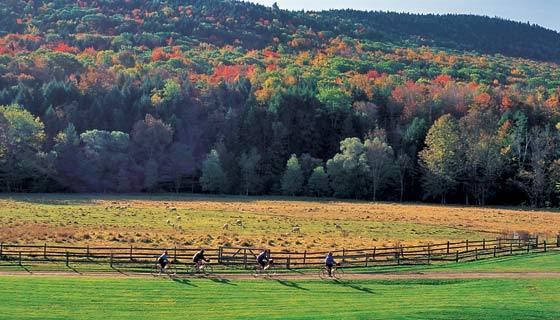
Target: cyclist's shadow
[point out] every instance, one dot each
(291, 284)
(184, 282)
(353, 286)
(222, 281)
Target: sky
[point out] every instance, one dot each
(541, 12)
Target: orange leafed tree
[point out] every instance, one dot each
(63, 47)
(158, 54)
(483, 99)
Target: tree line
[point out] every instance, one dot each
(135, 96)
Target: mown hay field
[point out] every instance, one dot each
(167, 220)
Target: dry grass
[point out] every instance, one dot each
(266, 222)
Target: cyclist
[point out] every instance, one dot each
(163, 261)
(264, 261)
(199, 260)
(330, 263)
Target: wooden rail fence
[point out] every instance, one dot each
(240, 257)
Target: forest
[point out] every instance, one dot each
(231, 97)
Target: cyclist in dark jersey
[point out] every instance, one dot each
(330, 263)
(199, 259)
(163, 261)
(264, 261)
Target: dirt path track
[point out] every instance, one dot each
(305, 276)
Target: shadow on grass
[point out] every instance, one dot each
(183, 281)
(291, 284)
(73, 269)
(353, 286)
(222, 281)
(25, 268)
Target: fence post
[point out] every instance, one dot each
(87, 252)
(245, 258)
(19, 261)
(494, 251)
(220, 255)
(67, 258)
(1, 247)
(343, 255)
(45, 251)
(537, 241)
(111, 260)
(483, 244)
(367, 258)
(373, 256)
(528, 247)
(175, 254)
(447, 247)
(429, 253)
(305, 257)
(402, 252)
(467, 245)
(544, 243)
(288, 262)
(131, 254)
(476, 253)
(557, 243)
(511, 248)
(457, 256)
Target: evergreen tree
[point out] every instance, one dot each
(318, 183)
(292, 180)
(213, 178)
(248, 163)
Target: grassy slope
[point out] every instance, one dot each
(167, 220)
(89, 298)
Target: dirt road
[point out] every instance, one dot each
(300, 276)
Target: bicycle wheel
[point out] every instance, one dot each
(193, 270)
(324, 274)
(207, 269)
(155, 270)
(338, 273)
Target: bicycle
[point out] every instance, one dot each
(170, 270)
(258, 270)
(336, 273)
(205, 269)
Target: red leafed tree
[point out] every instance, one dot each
(506, 103)
(443, 79)
(271, 54)
(373, 74)
(228, 73)
(63, 47)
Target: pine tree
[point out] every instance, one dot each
(292, 180)
(318, 183)
(213, 178)
(248, 164)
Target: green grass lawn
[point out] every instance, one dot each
(534, 262)
(27, 297)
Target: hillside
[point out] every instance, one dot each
(255, 26)
(232, 97)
